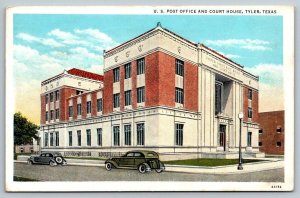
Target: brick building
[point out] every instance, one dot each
(159, 91)
(271, 133)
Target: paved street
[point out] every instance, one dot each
(83, 173)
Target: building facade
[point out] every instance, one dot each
(271, 133)
(159, 91)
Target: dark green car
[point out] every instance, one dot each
(143, 161)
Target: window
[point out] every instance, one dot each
(57, 139)
(116, 73)
(260, 131)
(140, 134)
(116, 135)
(99, 136)
(218, 97)
(47, 116)
(179, 96)
(141, 66)
(278, 129)
(51, 114)
(51, 97)
(179, 134)
(127, 69)
(46, 139)
(57, 95)
(51, 139)
(127, 98)
(79, 138)
(88, 137)
(249, 112)
(260, 143)
(249, 139)
(47, 98)
(179, 67)
(250, 94)
(70, 138)
(88, 107)
(278, 144)
(70, 111)
(140, 94)
(116, 100)
(127, 135)
(78, 109)
(56, 113)
(99, 104)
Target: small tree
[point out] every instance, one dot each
(24, 130)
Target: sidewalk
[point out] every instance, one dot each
(230, 169)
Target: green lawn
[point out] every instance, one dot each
(23, 179)
(209, 162)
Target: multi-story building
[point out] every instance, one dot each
(271, 132)
(159, 91)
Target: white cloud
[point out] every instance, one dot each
(251, 44)
(67, 37)
(98, 69)
(100, 36)
(27, 37)
(48, 42)
(271, 98)
(232, 56)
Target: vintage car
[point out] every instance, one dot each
(47, 158)
(143, 161)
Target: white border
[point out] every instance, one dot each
(288, 48)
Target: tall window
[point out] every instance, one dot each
(179, 67)
(51, 114)
(116, 100)
(99, 136)
(70, 111)
(79, 138)
(70, 138)
(250, 94)
(57, 95)
(47, 98)
(249, 139)
(179, 96)
(57, 139)
(99, 104)
(141, 66)
(88, 137)
(140, 134)
(127, 98)
(46, 139)
(179, 134)
(140, 94)
(51, 139)
(218, 97)
(88, 107)
(56, 113)
(127, 69)
(116, 73)
(47, 116)
(116, 135)
(249, 112)
(127, 131)
(78, 109)
(51, 97)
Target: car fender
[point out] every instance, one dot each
(148, 168)
(112, 162)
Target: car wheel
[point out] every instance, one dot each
(159, 170)
(108, 166)
(142, 168)
(29, 162)
(58, 160)
(52, 163)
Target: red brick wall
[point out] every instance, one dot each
(255, 114)
(75, 108)
(268, 122)
(65, 93)
(94, 103)
(190, 87)
(133, 85)
(108, 92)
(83, 106)
(122, 97)
(152, 80)
(43, 109)
(166, 80)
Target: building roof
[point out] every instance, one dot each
(85, 74)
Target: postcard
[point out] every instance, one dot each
(150, 98)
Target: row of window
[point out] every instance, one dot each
(140, 92)
(128, 71)
(278, 144)
(88, 107)
(51, 96)
(278, 130)
(54, 139)
(52, 114)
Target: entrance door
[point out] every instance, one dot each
(222, 136)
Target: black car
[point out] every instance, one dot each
(143, 161)
(47, 158)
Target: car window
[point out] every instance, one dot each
(150, 155)
(130, 154)
(47, 155)
(42, 155)
(138, 155)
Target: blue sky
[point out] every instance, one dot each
(46, 44)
